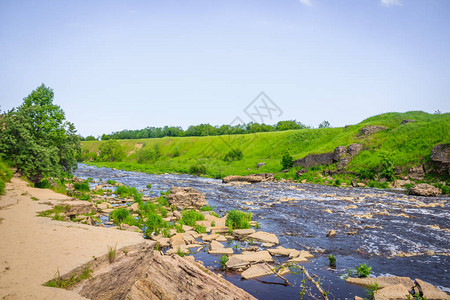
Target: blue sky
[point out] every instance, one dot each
(130, 64)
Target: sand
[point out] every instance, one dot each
(33, 249)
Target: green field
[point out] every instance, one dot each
(407, 145)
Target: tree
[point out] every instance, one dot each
(111, 151)
(324, 124)
(91, 138)
(37, 138)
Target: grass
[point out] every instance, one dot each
(189, 217)
(237, 219)
(409, 145)
(34, 198)
(5, 175)
(224, 260)
(66, 283)
(112, 252)
(55, 212)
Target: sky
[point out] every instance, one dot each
(117, 65)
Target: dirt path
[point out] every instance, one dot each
(33, 248)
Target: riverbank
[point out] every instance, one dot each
(33, 248)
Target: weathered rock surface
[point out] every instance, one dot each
(218, 248)
(424, 189)
(247, 258)
(382, 282)
(440, 158)
(186, 197)
(430, 291)
(257, 271)
(341, 155)
(406, 121)
(146, 274)
(392, 292)
(301, 256)
(369, 129)
(264, 237)
(416, 173)
(241, 233)
(249, 178)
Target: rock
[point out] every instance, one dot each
(177, 240)
(264, 237)
(260, 165)
(416, 173)
(221, 238)
(315, 160)
(187, 228)
(354, 149)
(430, 291)
(339, 153)
(146, 274)
(177, 214)
(401, 183)
(127, 227)
(189, 239)
(440, 158)
(186, 197)
(257, 271)
(241, 233)
(331, 233)
(301, 172)
(406, 121)
(220, 229)
(251, 248)
(281, 251)
(369, 129)
(247, 258)
(218, 248)
(79, 209)
(77, 179)
(424, 189)
(164, 242)
(303, 256)
(383, 281)
(134, 207)
(103, 205)
(249, 178)
(209, 237)
(393, 292)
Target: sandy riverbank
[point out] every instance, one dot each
(33, 249)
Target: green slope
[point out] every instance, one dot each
(408, 144)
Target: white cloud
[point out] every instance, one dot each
(306, 2)
(389, 3)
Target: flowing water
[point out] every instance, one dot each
(395, 234)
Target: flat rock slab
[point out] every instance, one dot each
(227, 251)
(246, 258)
(393, 292)
(177, 240)
(220, 229)
(303, 256)
(257, 271)
(241, 233)
(383, 281)
(209, 237)
(281, 251)
(430, 291)
(264, 237)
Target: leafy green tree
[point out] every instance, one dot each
(111, 151)
(324, 124)
(37, 138)
(90, 138)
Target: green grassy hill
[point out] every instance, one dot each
(408, 145)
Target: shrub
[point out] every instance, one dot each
(154, 224)
(124, 191)
(200, 229)
(287, 161)
(43, 184)
(120, 215)
(363, 270)
(206, 208)
(84, 186)
(233, 155)
(111, 150)
(224, 260)
(337, 182)
(111, 182)
(112, 251)
(237, 219)
(189, 217)
(197, 169)
(367, 173)
(332, 260)
(387, 167)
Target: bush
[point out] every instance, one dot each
(111, 182)
(189, 217)
(197, 169)
(337, 182)
(287, 161)
(111, 150)
(233, 155)
(84, 186)
(237, 219)
(367, 173)
(43, 184)
(206, 208)
(120, 215)
(332, 260)
(387, 167)
(363, 270)
(125, 191)
(154, 224)
(224, 260)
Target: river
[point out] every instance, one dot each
(395, 234)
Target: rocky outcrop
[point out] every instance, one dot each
(341, 155)
(264, 237)
(249, 178)
(424, 189)
(429, 291)
(141, 273)
(416, 173)
(406, 121)
(186, 197)
(369, 129)
(440, 159)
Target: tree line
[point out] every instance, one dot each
(204, 130)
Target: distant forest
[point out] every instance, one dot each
(203, 130)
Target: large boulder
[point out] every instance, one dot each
(424, 189)
(254, 178)
(186, 197)
(429, 291)
(354, 149)
(440, 157)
